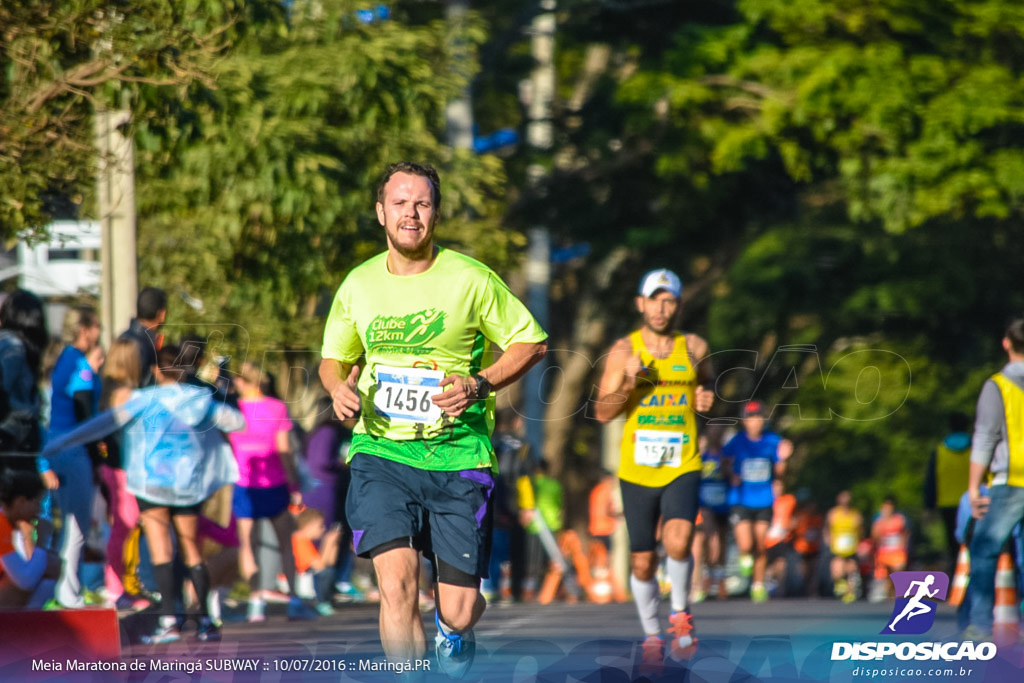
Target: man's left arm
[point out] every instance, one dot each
(513, 364)
(782, 453)
(705, 393)
(505, 321)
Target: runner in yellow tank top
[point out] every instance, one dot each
(842, 534)
(653, 377)
(659, 440)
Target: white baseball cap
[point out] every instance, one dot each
(660, 279)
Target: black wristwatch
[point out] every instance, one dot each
(483, 387)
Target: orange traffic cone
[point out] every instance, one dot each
(1005, 629)
(549, 587)
(960, 577)
(570, 547)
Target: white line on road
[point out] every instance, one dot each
(507, 626)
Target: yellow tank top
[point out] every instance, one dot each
(1013, 407)
(952, 469)
(659, 442)
(845, 532)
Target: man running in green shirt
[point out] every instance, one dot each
(405, 348)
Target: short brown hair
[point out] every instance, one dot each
(169, 360)
(308, 516)
(1015, 333)
(412, 168)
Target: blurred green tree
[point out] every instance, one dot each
(58, 59)
(256, 195)
(824, 174)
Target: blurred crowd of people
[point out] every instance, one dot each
(752, 538)
(186, 480)
(209, 495)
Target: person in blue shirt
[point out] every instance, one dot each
(753, 459)
(713, 530)
(74, 399)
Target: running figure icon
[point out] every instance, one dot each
(915, 606)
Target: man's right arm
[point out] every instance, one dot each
(341, 341)
(617, 382)
(340, 380)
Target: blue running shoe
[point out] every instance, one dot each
(300, 611)
(455, 651)
(208, 631)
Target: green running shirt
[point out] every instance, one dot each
(413, 330)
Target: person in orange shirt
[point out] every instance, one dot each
(890, 535)
(318, 562)
(783, 523)
(778, 542)
(605, 510)
(807, 534)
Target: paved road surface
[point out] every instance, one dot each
(783, 640)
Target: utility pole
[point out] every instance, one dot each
(459, 112)
(539, 137)
(116, 204)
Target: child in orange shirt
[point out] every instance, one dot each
(319, 564)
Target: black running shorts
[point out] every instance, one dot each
(741, 513)
(446, 515)
(642, 506)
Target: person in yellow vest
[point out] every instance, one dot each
(946, 479)
(654, 377)
(843, 534)
(998, 448)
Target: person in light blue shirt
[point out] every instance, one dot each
(174, 459)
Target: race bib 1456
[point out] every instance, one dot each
(405, 393)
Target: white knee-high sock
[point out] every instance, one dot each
(679, 574)
(646, 595)
(69, 589)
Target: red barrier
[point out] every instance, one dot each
(82, 633)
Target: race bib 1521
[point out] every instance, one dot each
(653, 448)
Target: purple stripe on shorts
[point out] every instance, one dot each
(485, 478)
(357, 535)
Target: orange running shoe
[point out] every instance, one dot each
(652, 655)
(684, 642)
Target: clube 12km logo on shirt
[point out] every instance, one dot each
(914, 614)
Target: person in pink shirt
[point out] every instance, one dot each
(265, 486)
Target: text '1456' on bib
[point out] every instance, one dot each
(657, 448)
(405, 393)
